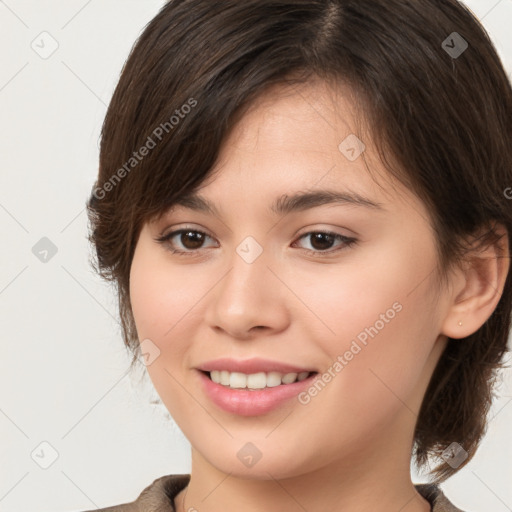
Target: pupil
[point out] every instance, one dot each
(318, 238)
(195, 237)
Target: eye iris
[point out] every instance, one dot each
(318, 237)
(196, 237)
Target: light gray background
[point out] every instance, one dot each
(63, 369)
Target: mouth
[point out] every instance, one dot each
(255, 381)
(250, 387)
(253, 394)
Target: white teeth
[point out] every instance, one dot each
(289, 378)
(261, 380)
(273, 379)
(224, 378)
(237, 380)
(256, 380)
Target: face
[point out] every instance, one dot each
(336, 295)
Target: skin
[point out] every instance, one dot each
(356, 434)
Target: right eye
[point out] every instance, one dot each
(190, 239)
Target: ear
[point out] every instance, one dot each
(478, 286)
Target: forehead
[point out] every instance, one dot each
(311, 116)
(306, 136)
(288, 152)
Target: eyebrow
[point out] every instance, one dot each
(285, 204)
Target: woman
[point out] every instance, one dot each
(304, 208)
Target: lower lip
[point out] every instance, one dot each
(251, 403)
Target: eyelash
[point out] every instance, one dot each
(166, 240)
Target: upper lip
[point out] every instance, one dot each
(249, 366)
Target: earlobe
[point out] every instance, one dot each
(481, 285)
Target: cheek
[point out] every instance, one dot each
(162, 296)
(162, 300)
(371, 296)
(381, 326)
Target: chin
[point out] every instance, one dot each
(275, 464)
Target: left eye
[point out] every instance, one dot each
(192, 240)
(320, 239)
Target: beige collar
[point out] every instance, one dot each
(159, 497)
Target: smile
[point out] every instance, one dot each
(253, 401)
(260, 380)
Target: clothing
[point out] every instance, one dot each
(159, 497)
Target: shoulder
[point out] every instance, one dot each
(157, 496)
(435, 496)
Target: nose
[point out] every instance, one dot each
(250, 298)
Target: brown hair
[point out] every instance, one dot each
(444, 115)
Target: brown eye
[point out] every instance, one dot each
(184, 241)
(188, 242)
(322, 241)
(191, 239)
